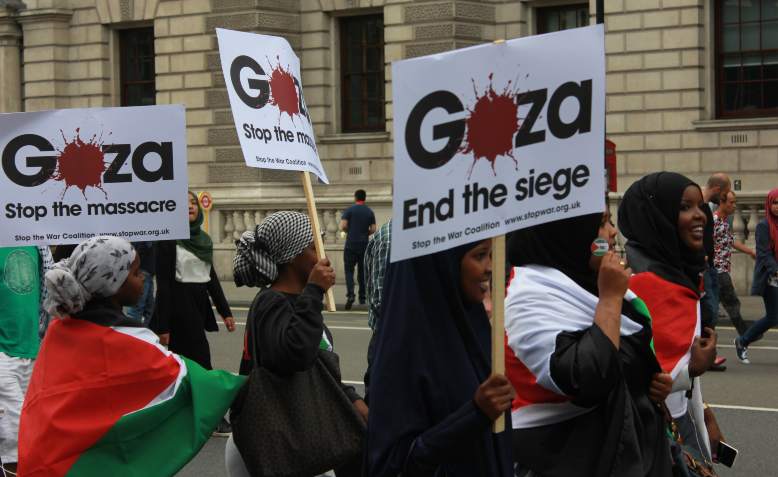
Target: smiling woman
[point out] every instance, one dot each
(663, 219)
(432, 396)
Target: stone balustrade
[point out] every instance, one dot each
(750, 210)
(230, 218)
(233, 221)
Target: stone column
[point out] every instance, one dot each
(10, 62)
(46, 40)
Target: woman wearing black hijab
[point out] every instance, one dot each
(579, 355)
(662, 216)
(432, 399)
(186, 284)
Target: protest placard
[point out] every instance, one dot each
(262, 74)
(68, 175)
(497, 137)
(264, 85)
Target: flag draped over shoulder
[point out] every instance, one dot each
(111, 401)
(541, 303)
(675, 311)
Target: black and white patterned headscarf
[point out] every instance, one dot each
(277, 240)
(98, 267)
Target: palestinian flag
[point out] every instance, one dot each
(541, 303)
(675, 313)
(112, 401)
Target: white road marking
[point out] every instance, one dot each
(740, 408)
(717, 406)
(357, 328)
(339, 312)
(732, 328)
(767, 348)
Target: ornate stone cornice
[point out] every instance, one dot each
(45, 15)
(9, 28)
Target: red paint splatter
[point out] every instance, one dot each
(491, 125)
(284, 91)
(81, 164)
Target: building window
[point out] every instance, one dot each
(746, 58)
(551, 19)
(136, 52)
(362, 73)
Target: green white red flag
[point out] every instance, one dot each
(112, 401)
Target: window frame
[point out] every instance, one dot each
(541, 11)
(124, 52)
(344, 76)
(718, 54)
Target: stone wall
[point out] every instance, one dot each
(660, 82)
(661, 101)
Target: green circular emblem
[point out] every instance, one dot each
(19, 273)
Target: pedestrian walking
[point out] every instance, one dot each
(725, 242)
(765, 281)
(714, 192)
(185, 281)
(23, 320)
(285, 323)
(105, 398)
(662, 216)
(143, 310)
(432, 397)
(578, 352)
(358, 221)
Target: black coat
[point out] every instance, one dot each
(172, 296)
(184, 309)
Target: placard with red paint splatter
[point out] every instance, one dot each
(497, 137)
(68, 175)
(264, 86)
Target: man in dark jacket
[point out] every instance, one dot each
(358, 221)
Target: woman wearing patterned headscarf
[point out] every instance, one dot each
(101, 380)
(279, 257)
(185, 280)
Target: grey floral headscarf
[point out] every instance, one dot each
(96, 268)
(277, 240)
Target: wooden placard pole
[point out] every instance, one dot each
(498, 316)
(498, 309)
(317, 241)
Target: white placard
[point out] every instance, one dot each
(497, 137)
(264, 85)
(71, 174)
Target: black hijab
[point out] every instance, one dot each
(565, 245)
(648, 218)
(432, 353)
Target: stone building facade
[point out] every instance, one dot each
(667, 63)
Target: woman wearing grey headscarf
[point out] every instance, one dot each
(98, 278)
(279, 257)
(105, 394)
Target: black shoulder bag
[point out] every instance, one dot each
(300, 425)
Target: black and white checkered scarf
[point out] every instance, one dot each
(277, 240)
